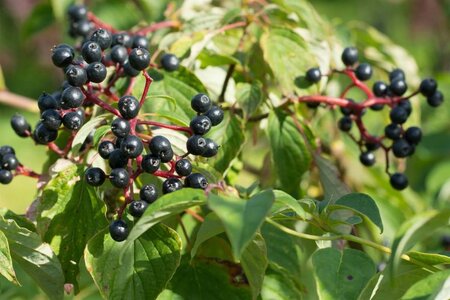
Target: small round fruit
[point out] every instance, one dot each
(102, 37)
(42, 135)
(95, 176)
(183, 167)
(313, 75)
(150, 163)
(81, 28)
(5, 176)
(201, 103)
(62, 55)
(121, 38)
(119, 177)
(96, 72)
(73, 120)
(406, 105)
(398, 115)
(211, 148)
(128, 107)
(398, 181)
(9, 162)
(200, 125)
(349, 56)
(118, 230)
(393, 131)
(91, 52)
(367, 158)
(401, 148)
(413, 135)
(47, 101)
(347, 111)
(76, 75)
(436, 99)
(72, 97)
(363, 71)
(20, 125)
(105, 148)
(396, 74)
(77, 12)
(137, 208)
(132, 146)
(140, 41)
(148, 193)
(171, 185)
(119, 54)
(377, 107)
(117, 159)
(129, 70)
(380, 89)
(139, 58)
(159, 145)
(120, 127)
(428, 87)
(215, 114)
(51, 119)
(196, 145)
(196, 181)
(170, 62)
(398, 87)
(4, 150)
(345, 123)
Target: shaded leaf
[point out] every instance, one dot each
(85, 130)
(211, 227)
(284, 201)
(6, 267)
(429, 258)
(434, 287)
(278, 285)
(41, 17)
(249, 97)
(148, 264)
(341, 274)
(241, 218)
(254, 262)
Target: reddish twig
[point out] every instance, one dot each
(99, 23)
(162, 125)
(22, 170)
(96, 100)
(53, 147)
(148, 82)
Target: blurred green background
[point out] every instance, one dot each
(421, 27)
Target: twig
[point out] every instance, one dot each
(18, 101)
(225, 83)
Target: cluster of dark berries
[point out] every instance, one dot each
(126, 149)
(397, 139)
(8, 162)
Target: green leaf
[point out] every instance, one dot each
(40, 18)
(435, 286)
(6, 267)
(333, 187)
(209, 59)
(249, 97)
(384, 286)
(278, 285)
(59, 8)
(429, 258)
(364, 205)
(36, 258)
(341, 274)
(414, 230)
(99, 133)
(211, 227)
(165, 207)
(22, 221)
(241, 218)
(254, 262)
(180, 85)
(283, 250)
(284, 201)
(70, 213)
(84, 131)
(147, 265)
(205, 280)
(288, 56)
(230, 136)
(290, 155)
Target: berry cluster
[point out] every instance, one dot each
(91, 70)
(397, 139)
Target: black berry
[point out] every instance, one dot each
(119, 54)
(137, 208)
(139, 58)
(102, 37)
(349, 56)
(47, 101)
(122, 38)
(105, 148)
(196, 181)
(96, 72)
(132, 146)
(413, 135)
(196, 145)
(73, 120)
(42, 135)
(215, 114)
(380, 89)
(20, 125)
(200, 125)
(77, 12)
(211, 148)
(118, 230)
(393, 131)
(95, 176)
(399, 181)
(91, 52)
(9, 162)
(436, 99)
(183, 167)
(406, 105)
(201, 103)
(396, 74)
(398, 87)
(345, 123)
(76, 75)
(4, 150)
(5, 176)
(161, 147)
(117, 159)
(81, 28)
(428, 87)
(51, 119)
(363, 71)
(120, 127)
(148, 193)
(170, 62)
(128, 107)
(313, 75)
(150, 163)
(62, 55)
(129, 70)
(119, 177)
(140, 41)
(398, 115)
(72, 97)
(171, 185)
(401, 148)
(367, 158)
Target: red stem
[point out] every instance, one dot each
(99, 23)
(22, 170)
(53, 147)
(162, 125)
(148, 82)
(351, 74)
(96, 100)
